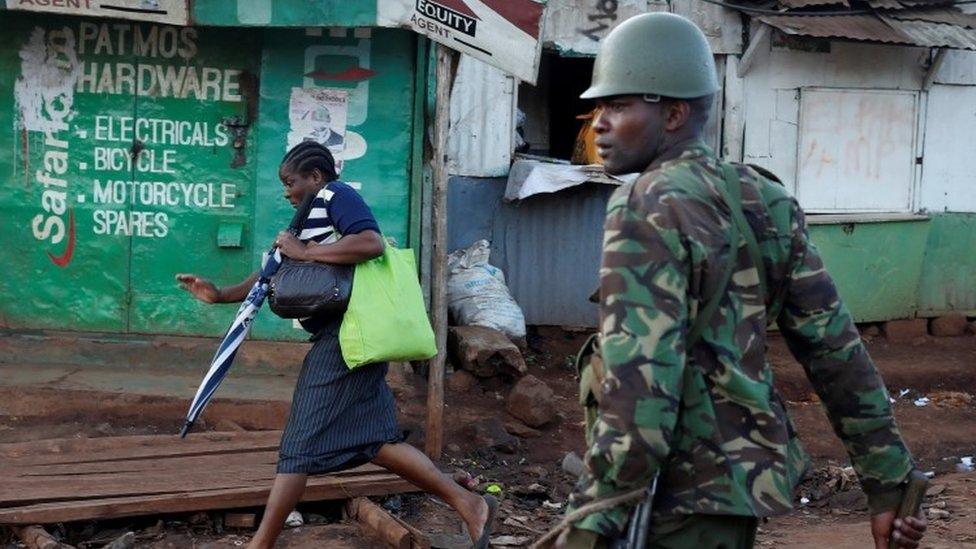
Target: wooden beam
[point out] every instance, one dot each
(758, 40)
(152, 447)
(418, 539)
(80, 479)
(733, 112)
(318, 489)
(933, 69)
(434, 436)
(379, 522)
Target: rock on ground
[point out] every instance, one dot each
(460, 381)
(531, 401)
(484, 352)
(952, 325)
(491, 433)
(905, 331)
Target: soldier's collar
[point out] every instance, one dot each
(691, 148)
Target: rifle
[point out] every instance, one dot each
(640, 522)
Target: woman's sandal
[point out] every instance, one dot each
(489, 523)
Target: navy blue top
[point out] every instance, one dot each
(336, 211)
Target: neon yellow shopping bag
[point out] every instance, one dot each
(386, 319)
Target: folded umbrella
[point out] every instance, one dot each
(238, 330)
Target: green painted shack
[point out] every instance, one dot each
(138, 144)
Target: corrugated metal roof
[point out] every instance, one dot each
(925, 33)
(950, 16)
(808, 3)
(885, 4)
(871, 28)
(857, 27)
(914, 3)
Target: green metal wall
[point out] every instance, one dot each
(92, 239)
(91, 242)
(356, 13)
(385, 101)
(876, 266)
(902, 269)
(948, 279)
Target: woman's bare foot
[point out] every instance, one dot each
(475, 516)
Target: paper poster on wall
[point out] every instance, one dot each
(319, 114)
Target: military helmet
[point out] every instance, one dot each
(654, 53)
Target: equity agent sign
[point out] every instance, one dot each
(158, 11)
(502, 33)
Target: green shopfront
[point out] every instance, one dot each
(132, 150)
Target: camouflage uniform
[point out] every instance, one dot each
(708, 418)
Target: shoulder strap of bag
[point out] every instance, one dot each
(734, 187)
(732, 194)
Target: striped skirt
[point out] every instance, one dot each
(339, 417)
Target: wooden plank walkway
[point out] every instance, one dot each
(80, 479)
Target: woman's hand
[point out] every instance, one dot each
(290, 246)
(201, 288)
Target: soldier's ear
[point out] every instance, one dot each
(676, 115)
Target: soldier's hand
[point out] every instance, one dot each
(906, 532)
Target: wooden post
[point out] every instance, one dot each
(933, 69)
(438, 299)
(760, 39)
(733, 127)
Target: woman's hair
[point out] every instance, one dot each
(309, 155)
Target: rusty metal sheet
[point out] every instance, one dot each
(871, 28)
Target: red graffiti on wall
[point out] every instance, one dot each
(69, 250)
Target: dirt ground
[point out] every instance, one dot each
(528, 471)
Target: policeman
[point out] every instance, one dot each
(699, 256)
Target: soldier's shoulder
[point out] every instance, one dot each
(767, 181)
(772, 190)
(676, 178)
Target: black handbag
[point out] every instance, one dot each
(303, 289)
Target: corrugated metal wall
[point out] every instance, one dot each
(482, 120)
(547, 245)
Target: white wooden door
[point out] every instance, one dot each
(856, 150)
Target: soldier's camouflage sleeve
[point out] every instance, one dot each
(821, 334)
(643, 282)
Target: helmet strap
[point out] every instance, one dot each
(652, 98)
